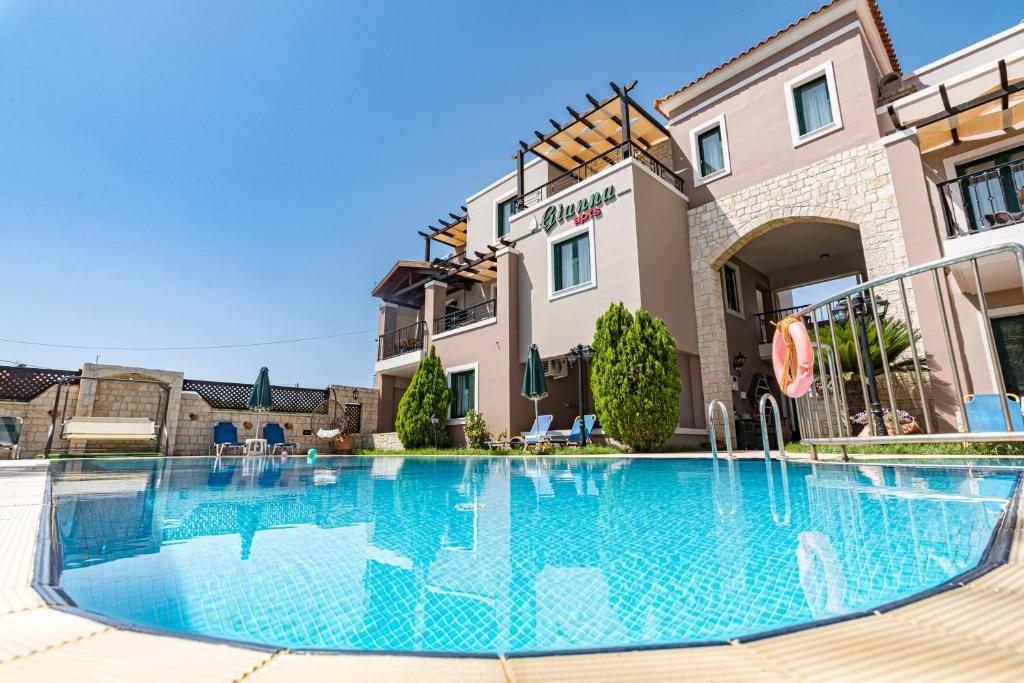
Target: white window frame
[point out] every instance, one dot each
(498, 201)
(739, 290)
(586, 227)
(790, 87)
(695, 133)
(448, 372)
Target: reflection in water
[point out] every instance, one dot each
(506, 555)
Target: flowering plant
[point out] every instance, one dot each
(863, 417)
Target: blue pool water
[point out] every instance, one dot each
(507, 555)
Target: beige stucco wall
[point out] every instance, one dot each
(757, 123)
(853, 188)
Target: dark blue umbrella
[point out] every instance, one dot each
(534, 386)
(260, 399)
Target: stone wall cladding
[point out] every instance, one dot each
(384, 441)
(35, 416)
(852, 188)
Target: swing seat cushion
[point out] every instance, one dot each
(109, 428)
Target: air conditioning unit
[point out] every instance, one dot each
(555, 368)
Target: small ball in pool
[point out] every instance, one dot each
(312, 453)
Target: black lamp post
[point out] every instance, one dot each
(433, 421)
(863, 308)
(582, 354)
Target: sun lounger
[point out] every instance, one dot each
(574, 434)
(274, 434)
(985, 415)
(538, 433)
(225, 437)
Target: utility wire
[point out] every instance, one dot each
(184, 348)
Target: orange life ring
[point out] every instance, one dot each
(792, 357)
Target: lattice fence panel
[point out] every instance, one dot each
(353, 418)
(235, 396)
(24, 384)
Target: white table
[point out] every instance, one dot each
(255, 446)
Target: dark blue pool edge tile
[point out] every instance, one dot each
(46, 575)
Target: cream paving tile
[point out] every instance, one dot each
(18, 514)
(20, 527)
(978, 615)
(329, 668)
(125, 656)
(1009, 578)
(19, 599)
(36, 630)
(719, 663)
(16, 560)
(881, 648)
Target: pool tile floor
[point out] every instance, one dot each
(970, 633)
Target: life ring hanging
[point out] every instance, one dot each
(792, 357)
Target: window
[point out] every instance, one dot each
(813, 104)
(504, 216)
(572, 262)
(709, 147)
(731, 290)
(463, 386)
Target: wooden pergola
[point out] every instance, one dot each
(981, 104)
(594, 137)
(403, 284)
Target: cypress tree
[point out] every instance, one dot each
(636, 384)
(605, 372)
(428, 394)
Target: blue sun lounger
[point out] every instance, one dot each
(985, 415)
(225, 437)
(274, 434)
(574, 434)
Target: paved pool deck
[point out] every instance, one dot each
(970, 633)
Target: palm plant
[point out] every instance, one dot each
(896, 341)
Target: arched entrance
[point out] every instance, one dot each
(770, 276)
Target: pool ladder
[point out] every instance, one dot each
(717, 405)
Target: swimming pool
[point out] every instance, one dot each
(507, 555)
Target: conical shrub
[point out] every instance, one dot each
(635, 380)
(428, 394)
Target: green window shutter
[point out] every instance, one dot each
(813, 105)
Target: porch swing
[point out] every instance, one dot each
(107, 430)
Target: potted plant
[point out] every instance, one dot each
(906, 422)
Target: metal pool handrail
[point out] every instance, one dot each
(731, 463)
(783, 519)
(828, 423)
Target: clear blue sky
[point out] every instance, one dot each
(186, 173)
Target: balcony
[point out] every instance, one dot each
(613, 156)
(464, 317)
(984, 200)
(408, 339)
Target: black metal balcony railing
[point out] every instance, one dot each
(402, 340)
(984, 200)
(766, 321)
(585, 170)
(453, 320)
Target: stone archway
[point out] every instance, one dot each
(853, 189)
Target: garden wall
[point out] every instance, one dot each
(29, 394)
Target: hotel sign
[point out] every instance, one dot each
(578, 211)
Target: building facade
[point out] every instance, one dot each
(808, 158)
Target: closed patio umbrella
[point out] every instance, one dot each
(534, 386)
(260, 398)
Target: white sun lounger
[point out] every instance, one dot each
(109, 429)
